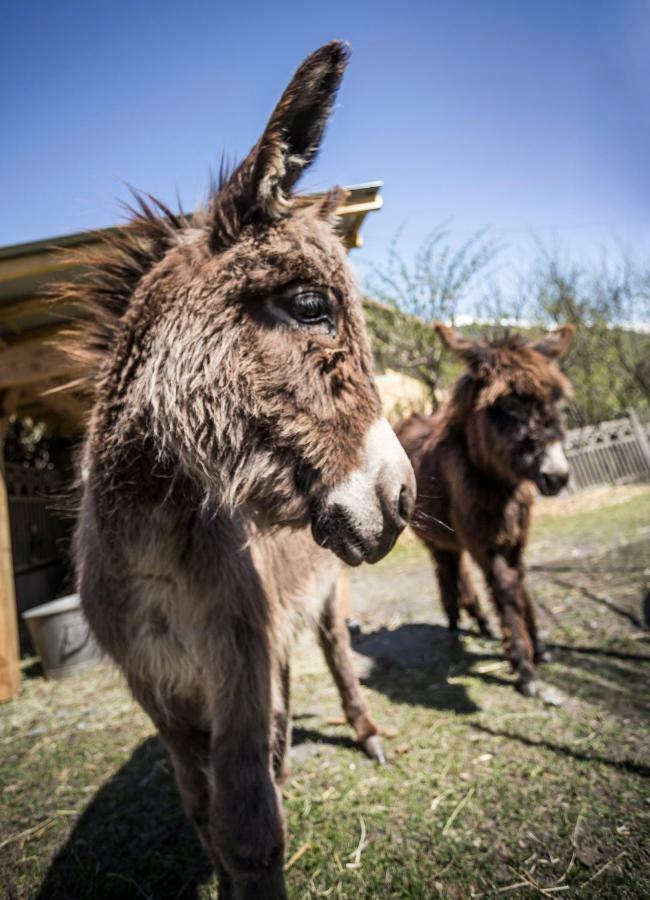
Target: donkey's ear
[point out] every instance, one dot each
(472, 352)
(260, 188)
(295, 130)
(555, 343)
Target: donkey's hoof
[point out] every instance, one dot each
(485, 629)
(527, 686)
(373, 748)
(543, 655)
(354, 627)
(552, 696)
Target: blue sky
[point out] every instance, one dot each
(522, 116)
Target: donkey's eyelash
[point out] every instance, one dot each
(311, 306)
(304, 308)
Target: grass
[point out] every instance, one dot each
(486, 794)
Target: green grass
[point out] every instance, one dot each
(626, 519)
(485, 794)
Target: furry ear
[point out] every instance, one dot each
(260, 188)
(555, 343)
(472, 352)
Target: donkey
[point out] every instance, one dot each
(235, 456)
(475, 463)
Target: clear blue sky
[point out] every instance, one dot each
(513, 114)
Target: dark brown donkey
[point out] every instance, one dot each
(235, 455)
(475, 463)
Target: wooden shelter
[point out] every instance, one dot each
(32, 367)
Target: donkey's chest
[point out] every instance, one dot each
(180, 625)
(166, 647)
(485, 519)
(506, 524)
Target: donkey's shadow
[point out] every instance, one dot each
(132, 840)
(413, 664)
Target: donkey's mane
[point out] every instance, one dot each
(111, 274)
(507, 340)
(497, 370)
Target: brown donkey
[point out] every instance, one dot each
(235, 454)
(475, 463)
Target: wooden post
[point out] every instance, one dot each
(9, 651)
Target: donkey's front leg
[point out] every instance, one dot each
(189, 749)
(505, 583)
(541, 653)
(246, 820)
(335, 641)
(469, 599)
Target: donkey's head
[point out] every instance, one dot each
(241, 347)
(509, 405)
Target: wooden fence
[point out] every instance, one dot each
(613, 452)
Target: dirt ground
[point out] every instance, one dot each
(486, 794)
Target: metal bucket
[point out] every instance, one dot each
(62, 637)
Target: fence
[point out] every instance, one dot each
(613, 452)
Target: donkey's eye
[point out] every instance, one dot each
(310, 306)
(508, 412)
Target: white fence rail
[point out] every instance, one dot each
(613, 452)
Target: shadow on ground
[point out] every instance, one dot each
(615, 683)
(132, 840)
(600, 646)
(412, 664)
(624, 764)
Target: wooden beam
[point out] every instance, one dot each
(34, 265)
(365, 207)
(31, 306)
(33, 361)
(9, 649)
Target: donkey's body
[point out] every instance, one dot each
(235, 438)
(475, 463)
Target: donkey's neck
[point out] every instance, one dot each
(145, 497)
(485, 473)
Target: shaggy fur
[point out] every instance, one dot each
(475, 463)
(220, 424)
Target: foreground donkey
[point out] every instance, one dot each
(475, 461)
(235, 442)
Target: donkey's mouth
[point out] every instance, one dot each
(361, 517)
(335, 532)
(550, 484)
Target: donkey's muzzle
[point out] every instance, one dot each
(335, 530)
(362, 517)
(553, 473)
(549, 485)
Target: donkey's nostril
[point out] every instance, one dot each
(406, 502)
